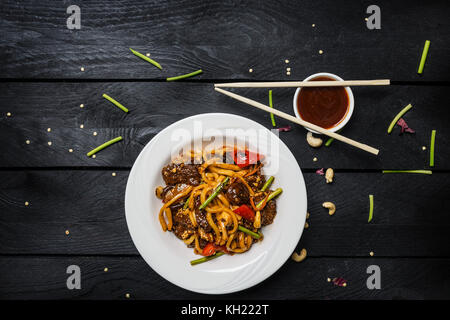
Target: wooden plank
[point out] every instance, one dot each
(45, 278)
(35, 107)
(410, 219)
(225, 39)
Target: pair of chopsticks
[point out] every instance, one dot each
(301, 122)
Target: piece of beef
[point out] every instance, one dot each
(171, 191)
(268, 213)
(237, 193)
(181, 173)
(200, 216)
(182, 225)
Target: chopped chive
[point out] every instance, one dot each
(398, 116)
(433, 138)
(103, 146)
(271, 105)
(214, 194)
(250, 232)
(184, 76)
(370, 207)
(205, 259)
(267, 184)
(114, 102)
(408, 171)
(140, 55)
(329, 141)
(186, 203)
(424, 56)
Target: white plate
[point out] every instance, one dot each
(170, 257)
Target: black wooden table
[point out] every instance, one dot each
(42, 87)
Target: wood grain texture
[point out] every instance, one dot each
(45, 278)
(409, 218)
(224, 38)
(153, 106)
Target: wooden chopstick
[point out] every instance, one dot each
(299, 121)
(347, 83)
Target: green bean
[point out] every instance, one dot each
(214, 194)
(271, 196)
(424, 56)
(397, 117)
(186, 203)
(433, 138)
(370, 207)
(408, 171)
(140, 55)
(103, 146)
(267, 184)
(271, 105)
(114, 102)
(185, 76)
(329, 141)
(247, 231)
(205, 259)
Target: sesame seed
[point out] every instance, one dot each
(49, 129)
(288, 73)
(320, 51)
(313, 25)
(250, 70)
(306, 225)
(344, 284)
(371, 253)
(307, 215)
(106, 269)
(82, 68)
(424, 148)
(70, 150)
(113, 174)
(286, 61)
(148, 54)
(127, 295)
(27, 203)
(94, 156)
(49, 143)
(67, 232)
(8, 114)
(288, 69)
(81, 105)
(367, 19)
(328, 280)
(28, 142)
(81, 126)
(95, 133)
(314, 159)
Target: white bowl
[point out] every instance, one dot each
(170, 257)
(350, 98)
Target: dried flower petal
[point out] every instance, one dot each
(320, 172)
(285, 129)
(340, 282)
(404, 126)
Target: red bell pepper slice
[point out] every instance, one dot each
(209, 250)
(245, 212)
(245, 158)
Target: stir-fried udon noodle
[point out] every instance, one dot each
(217, 202)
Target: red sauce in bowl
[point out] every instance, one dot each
(323, 106)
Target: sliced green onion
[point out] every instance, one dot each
(271, 105)
(205, 259)
(424, 56)
(329, 141)
(250, 232)
(140, 55)
(267, 184)
(214, 194)
(271, 196)
(186, 203)
(184, 76)
(433, 138)
(114, 102)
(398, 116)
(103, 146)
(408, 171)
(370, 207)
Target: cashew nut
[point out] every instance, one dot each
(313, 141)
(330, 206)
(329, 174)
(299, 257)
